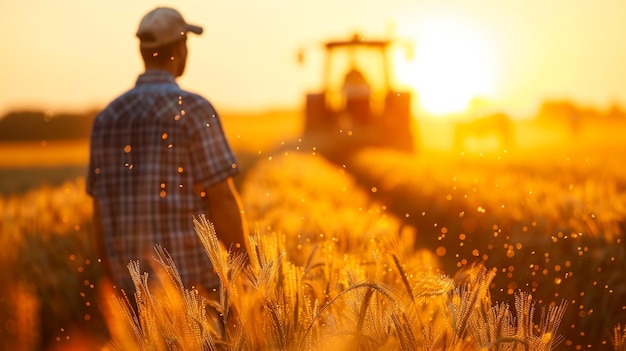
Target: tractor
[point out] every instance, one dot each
(357, 107)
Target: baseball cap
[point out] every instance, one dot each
(162, 26)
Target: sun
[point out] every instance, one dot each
(453, 64)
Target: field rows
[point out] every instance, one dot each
(383, 227)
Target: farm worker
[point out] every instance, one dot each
(357, 93)
(159, 157)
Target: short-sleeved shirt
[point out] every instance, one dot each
(148, 149)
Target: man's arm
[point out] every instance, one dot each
(226, 213)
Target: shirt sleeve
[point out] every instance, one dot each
(212, 158)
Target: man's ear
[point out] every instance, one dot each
(179, 49)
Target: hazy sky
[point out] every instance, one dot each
(75, 54)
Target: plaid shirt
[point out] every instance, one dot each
(148, 149)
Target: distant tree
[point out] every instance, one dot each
(616, 113)
(38, 125)
(557, 111)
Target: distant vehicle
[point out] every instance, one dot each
(357, 106)
(497, 125)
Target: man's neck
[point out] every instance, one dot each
(166, 68)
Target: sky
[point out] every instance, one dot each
(71, 55)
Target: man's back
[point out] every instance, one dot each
(149, 148)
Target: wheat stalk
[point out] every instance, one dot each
(618, 339)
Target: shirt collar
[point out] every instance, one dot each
(152, 76)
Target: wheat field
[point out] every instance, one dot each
(498, 250)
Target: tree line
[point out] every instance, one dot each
(28, 125)
(40, 125)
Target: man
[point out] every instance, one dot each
(357, 93)
(158, 157)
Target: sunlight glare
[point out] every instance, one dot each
(454, 64)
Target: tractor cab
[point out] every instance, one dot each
(357, 106)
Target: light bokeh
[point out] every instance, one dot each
(72, 55)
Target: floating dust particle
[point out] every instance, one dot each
(510, 252)
(440, 251)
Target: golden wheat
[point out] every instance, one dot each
(330, 267)
(365, 314)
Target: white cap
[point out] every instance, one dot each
(162, 26)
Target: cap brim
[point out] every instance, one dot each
(194, 29)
